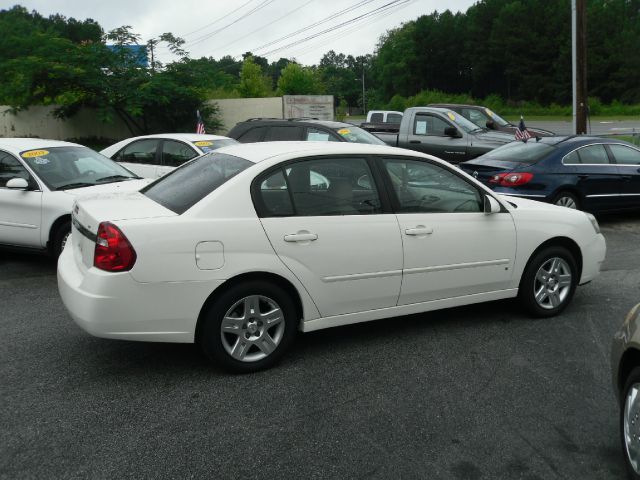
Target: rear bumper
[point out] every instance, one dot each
(114, 305)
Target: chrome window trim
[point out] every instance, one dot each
(600, 164)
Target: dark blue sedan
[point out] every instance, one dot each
(587, 173)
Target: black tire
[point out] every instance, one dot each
(529, 284)
(59, 238)
(214, 343)
(565, 199)
(632, 379)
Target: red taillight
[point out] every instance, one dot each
(511, 179)
(113, 251)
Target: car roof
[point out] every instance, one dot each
(17, 145)
(257, 152)
(452, 105)
(187, 137)
(430, 109)
(313, 121)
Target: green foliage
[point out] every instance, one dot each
(253, 83)
(298, 80)
(341, 110)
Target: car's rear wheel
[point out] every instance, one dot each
(60, 238)
(630, 423)
(249, 327)
(549, 282)
(568, 200)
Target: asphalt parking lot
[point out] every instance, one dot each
(479, 392)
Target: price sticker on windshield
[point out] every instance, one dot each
(344, 131)
(203, 143)
(34, 153)
(451, 116)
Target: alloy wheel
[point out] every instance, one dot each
(567, 202)
(552, 283)
(252, 328)
(631, 426)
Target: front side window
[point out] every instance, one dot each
(319, 187)
(182, 188)
(175, 153)
(422, 187)
(142, 151)
(429, 125)
(11, 168)
(625, 155)
(316, 135)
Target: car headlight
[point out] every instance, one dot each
(594, 222)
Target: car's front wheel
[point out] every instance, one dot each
(548, 282)
(60, 238)
(249, 327)
(630, 423)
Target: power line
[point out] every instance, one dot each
(265, 26)
(320, 22)
(309, 48)
(376, 11)
(211, 34)
(218, 20)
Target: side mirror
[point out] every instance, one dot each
(491, 205)
(491, 125)
(18, 184)
(452, 132)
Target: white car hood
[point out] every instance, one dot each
(527, 204)
(126, 186)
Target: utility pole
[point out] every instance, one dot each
(579, 65)
(364, 106)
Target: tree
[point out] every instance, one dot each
(298, 80)
(253, 84)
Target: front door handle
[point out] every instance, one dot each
(300, 237)
(419, 230)
(583, 177)
(626, 178)
(415, 141)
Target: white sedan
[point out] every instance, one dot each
(152, 156)
(240, 248)
(39, 180)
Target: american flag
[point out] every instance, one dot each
(521, 132)
(200, 124)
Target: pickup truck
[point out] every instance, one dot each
(382, 121)
(443, 133)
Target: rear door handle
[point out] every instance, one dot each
(583, 177)
(626, 177)
(415, 141)
(419, 230)
(300, 237)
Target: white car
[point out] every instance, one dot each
(240, 248)
(39, 180)
(153, 156)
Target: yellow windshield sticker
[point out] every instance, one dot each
(489, 112)
(203, 143)
(344, 131)
(451, 116)
(34, 153)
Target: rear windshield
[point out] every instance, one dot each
(521, 152)
(185, 186)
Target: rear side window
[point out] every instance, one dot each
(252, 135)
(593, 154)
(276, 134)
(142, 151)
(185, 186)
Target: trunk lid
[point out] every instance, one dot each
(89, 211)
(485, 168)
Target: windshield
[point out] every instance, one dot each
(62, 168)
(185, 186)
(355, 134)
(496, 118)
(461, 122)
(209, 145)
(521, 152)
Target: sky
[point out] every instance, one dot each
(215, 28)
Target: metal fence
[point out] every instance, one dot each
(631, 136)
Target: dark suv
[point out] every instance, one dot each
(292, 129)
